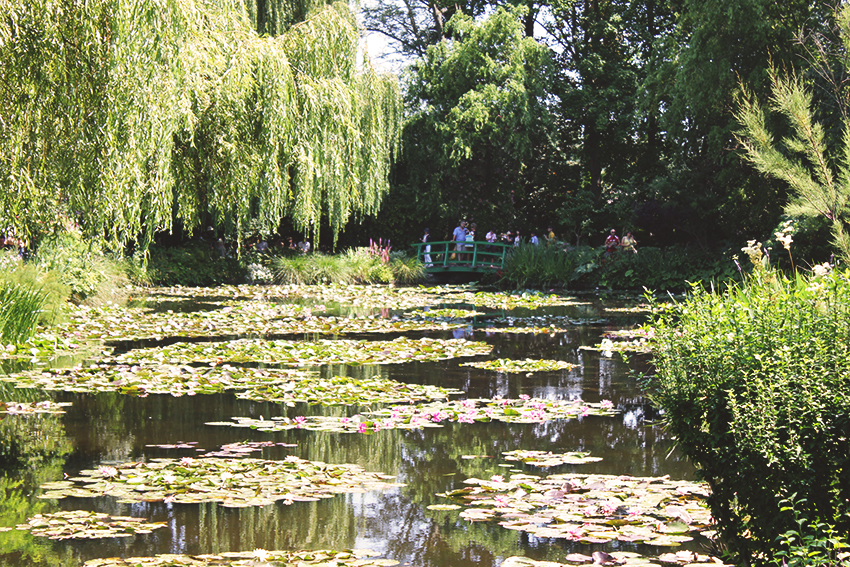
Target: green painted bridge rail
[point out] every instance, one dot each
(450, 256)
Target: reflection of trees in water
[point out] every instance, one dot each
(33, 449)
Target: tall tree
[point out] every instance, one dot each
(114, 113)
(479, 108)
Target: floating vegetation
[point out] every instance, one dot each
(608, 347)
(625, 558)
(589, 508)
(524, 330)
(449, 314)
(344, 390)
(254, 318)
(230, 450)
(43, 346)
(636, 333)
(320, 558)
(46, 406)
(80, 524)
(141, 380)
(529, 299)
(523, 410)
(299, 353)
(546, 459)
(234, 483)
(519, 366)
(548, 321)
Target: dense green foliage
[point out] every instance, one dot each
(632, 116)
(584, 267)
(361, 265)
(753, 383)
(117, 115)
(818, 174)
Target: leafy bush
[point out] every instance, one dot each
(587, 268)
(28, 275)
(194, 264)
(20, 307)
(359, 265)
(753, 384)
(83, 267)
(538, 266)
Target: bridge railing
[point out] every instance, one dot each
(462, 256)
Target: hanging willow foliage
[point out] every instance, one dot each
(116, 113)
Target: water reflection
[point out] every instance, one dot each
(107, 427)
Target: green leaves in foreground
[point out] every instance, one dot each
(589, 508)
(519, 366)
(80, 524)
(321, 558)
(234, 483)
(300, 353)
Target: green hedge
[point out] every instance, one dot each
(754, 382)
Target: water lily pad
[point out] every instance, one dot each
(442, 314)
(523, 410)
(232, 482)
(301, 353)
(607, 347)
(80, 524)
(45, 406)
(345, 390)
(520, 366)
(320, 558)
(624, 558)
(588, 508)
(546, 459)
(144, 379)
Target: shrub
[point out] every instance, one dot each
(753, 384)
(194, 264)
(358, 265)
(83, 267)
(538, 266)
(29, 276)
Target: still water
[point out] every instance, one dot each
(109, 428)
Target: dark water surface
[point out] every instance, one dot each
(108, 428)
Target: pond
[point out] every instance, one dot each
(412, 518)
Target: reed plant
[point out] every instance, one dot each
(357, 265)
(20, 308)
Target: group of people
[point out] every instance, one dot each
(464, 234)
(614, 243)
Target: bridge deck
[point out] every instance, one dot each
(471, 257)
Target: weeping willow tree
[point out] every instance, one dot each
(117, 114)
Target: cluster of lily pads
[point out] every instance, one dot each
(234, 483)
(80, 524)
(608, 347)
(318, 558)
(519, 366)
(45, 406)
(546, 459)
(626, 558)
(113, 322)
(589, 509)
(301, 353)
(522, 410)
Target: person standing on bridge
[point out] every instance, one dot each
(459, 236)
(426, 238)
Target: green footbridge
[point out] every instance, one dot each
(463, 257)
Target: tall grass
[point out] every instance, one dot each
(357, 265)
(20, 308)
